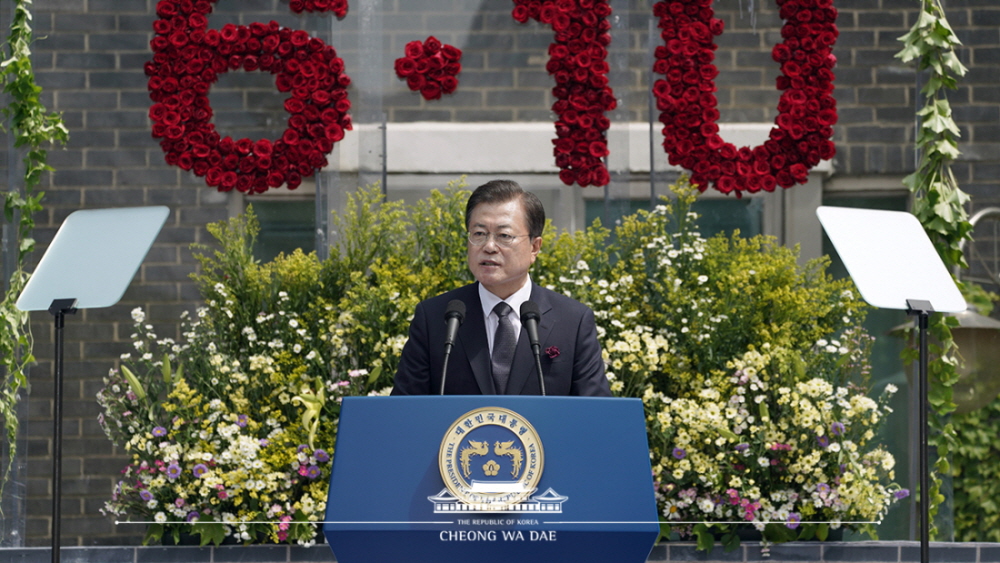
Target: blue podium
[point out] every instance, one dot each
(491, 478)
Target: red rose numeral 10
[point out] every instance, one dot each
(188, 58)
(578, 61)
(806, 110)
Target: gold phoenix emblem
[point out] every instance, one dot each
(491, 457)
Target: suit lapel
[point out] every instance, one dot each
(523, 367)
(473, 337)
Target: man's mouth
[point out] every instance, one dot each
(489, 263)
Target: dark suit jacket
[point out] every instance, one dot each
(566, 325)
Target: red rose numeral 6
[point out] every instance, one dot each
(188, 58)
(578, 61)
(806, 110)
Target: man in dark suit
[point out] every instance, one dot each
(492, 353)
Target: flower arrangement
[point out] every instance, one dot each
(724, 339)
(791, 455)
(188, 58)
(230, 430)
(806, 111)
(578, 61)
(753, 370)
(226, 443)
(430, 68)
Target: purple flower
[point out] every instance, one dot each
(159, 431)
(301, 448)
(193, 515)
(173, 471)
(145, 495)
(679, 453)
(837, 428)
(241, 421)
(793, 520)
(313, 472)
(321, 456)
(901, 494)
(742, 447)
(822, 488)
(179, 502)
(823, 441)
(200, 470)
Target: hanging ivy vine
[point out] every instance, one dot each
(32, 128)
(939, 204)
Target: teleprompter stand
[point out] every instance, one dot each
(895, 266)
(89, 264)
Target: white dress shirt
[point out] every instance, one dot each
(489, 301)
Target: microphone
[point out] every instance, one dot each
(454, 315)
(530, 315)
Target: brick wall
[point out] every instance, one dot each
(89, 59)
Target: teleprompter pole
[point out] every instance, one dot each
(59, 309)
(923, 309)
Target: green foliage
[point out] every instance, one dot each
(253, 389)
(726, 325)
(33, 128)
(731, 339)
(938, 204)
(977, 475)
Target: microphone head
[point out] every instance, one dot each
(529, 310)
(455, 310)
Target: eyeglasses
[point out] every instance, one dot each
(506, 240)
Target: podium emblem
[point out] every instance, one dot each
(491, 460)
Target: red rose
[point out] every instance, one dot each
(228, 180)
(405, 66)
(244, 146)
(431, 91)
(431, 46)
(321, 97)
(290, 137)
(449, 84)
(414, 49)
(451, 53)
(166, 9)
(244, 183)
(598, 149)
(263, 148)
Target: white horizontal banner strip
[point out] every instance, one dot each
(509, 147)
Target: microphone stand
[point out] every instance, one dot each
(454, 316)
(538, 365)
(444, 370)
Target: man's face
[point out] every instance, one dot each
(500, 269)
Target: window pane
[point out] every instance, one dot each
(284, 226)
(717, 215)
